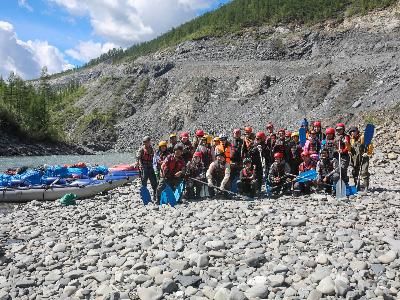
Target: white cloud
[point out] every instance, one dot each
(125, 22)
(27, 58)
(85, 51)
(25, 4)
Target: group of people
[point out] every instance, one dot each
(247, 159)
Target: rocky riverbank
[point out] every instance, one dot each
(12, 145)
(112, 247)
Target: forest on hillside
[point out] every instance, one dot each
(33, 112)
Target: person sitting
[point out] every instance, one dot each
(247, 184)
(307, 165)
(173, 170)
(278, 174)
(218, 175)
(194, 169)
(328, 172)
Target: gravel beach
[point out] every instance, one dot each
(112, 247)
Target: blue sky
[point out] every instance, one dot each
(64, 33)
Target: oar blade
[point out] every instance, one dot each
(168, 196)
(145, 195)
(302, 136)
(369, 134)
(179, 191)
(340, 189)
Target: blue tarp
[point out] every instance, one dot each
(98, 170)
(56, 171)
(30, 177)
(81, 172)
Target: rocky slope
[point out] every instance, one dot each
(13, 145)
(330, 71)
(112, 247)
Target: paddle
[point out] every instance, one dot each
(302, 136)
(222, 190)
(168, 196)
(368, 135)
(340, 185)
(307, 176)
(303, 177)
(145, 195)
(179, 191)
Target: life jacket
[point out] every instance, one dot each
(330, 145)
(343, 143)
(226, 150)
(219, 171)
(278, 169)
(187, 151)
(236, 150)
(307, 167)
(172, 165)
(280, 147)
(325, 166)
(146, 157)
(161, 157)
(247, 145)
(247, 173)
(194, 169)
(314, 145)
(206, 157)
(295, 151)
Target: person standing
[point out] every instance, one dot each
(144, 161)
(173, 170)
(359, 157)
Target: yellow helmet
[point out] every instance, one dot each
(163, 143)
(209, 138)
(172, 135)
(296, 133)
(216, 139)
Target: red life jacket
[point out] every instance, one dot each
(147, 157)
(172, 165)
(307, 167)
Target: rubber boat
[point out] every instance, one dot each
(83, 188)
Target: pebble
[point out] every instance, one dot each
(388, 257)
(326, 286)
(257, 291)
(150, 293)
(276, 280)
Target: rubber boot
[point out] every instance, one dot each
(366, 185)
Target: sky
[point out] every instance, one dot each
(62, 34)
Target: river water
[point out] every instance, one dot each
(108, 159)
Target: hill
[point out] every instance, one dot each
(240, 14)
(342, 68)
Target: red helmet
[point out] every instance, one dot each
(199, 133)
(305, 153)
(261, 135)
(236, 131)
(198, 154)
(278, 155)
(330, 130)
(184, 134)
(288, 133)
(281, 130)
(340, 126)
(317, 124)
(248, 129)
(270, 125)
